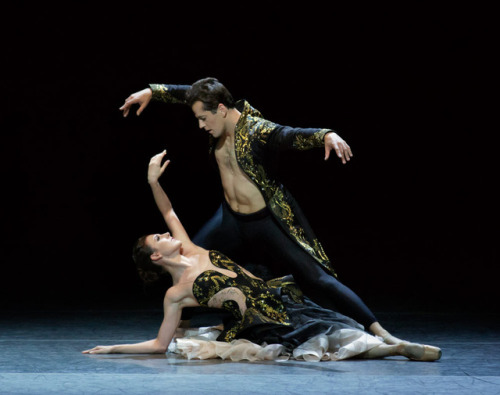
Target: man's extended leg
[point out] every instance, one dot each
(285, 256)
(266, 242)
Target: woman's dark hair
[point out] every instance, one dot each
(141, 254)
(210, 92)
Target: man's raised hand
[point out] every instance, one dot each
(142, 98)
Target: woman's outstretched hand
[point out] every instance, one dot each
(156, 169)
(99, 350)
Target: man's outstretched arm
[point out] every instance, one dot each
(285, 137)
(156, 92)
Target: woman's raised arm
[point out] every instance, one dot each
(155, 170)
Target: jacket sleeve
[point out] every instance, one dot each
(284, 138)
(169, 93)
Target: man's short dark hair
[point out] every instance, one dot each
(210, 92)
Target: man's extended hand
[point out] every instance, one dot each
(155, 169)
(142, 98)
(333, 141)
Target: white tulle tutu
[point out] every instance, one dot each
(200, 343)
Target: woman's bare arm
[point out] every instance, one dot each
(171, 320)
(155, 170)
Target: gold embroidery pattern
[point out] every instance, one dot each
(307, 142)
(250, 130)
(161, 93)
(288, 286)
(263, 306)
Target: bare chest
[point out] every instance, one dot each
(226, 159)
(240, 191)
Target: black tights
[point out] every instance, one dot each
(258, 238)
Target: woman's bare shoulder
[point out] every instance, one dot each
(180, 294)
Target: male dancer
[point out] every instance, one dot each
(259, 215)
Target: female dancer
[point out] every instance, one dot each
(268, 320)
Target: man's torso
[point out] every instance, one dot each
(240, 192)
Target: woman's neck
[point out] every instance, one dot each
(182, 269)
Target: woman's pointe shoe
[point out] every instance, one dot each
(420, 352)
(389, 339)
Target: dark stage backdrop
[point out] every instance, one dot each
(409, 221)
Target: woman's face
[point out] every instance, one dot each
(164, 244)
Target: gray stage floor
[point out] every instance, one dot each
(40, 353)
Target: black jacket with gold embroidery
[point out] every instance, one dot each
(256, 142)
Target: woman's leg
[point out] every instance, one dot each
(377, 330)
(413, 351)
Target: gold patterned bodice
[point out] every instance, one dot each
(250, 300)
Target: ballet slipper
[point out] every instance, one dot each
(419, 352)
(389, 339)
(383, 335)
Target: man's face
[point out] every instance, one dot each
(212, 123)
